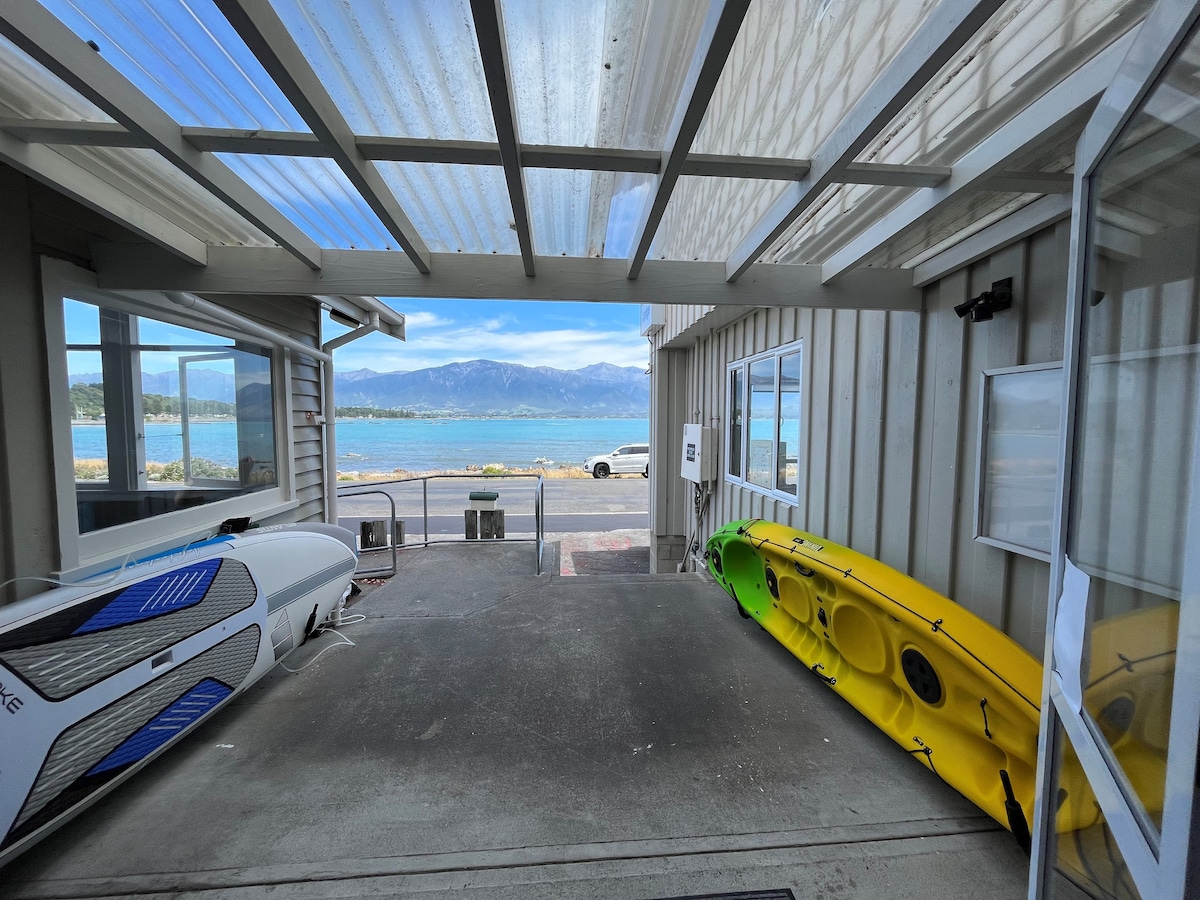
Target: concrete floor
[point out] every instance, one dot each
(496, 734)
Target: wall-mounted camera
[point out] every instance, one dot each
(982, 307)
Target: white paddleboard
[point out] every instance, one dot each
(98, 679)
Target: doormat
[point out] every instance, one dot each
(781, 894)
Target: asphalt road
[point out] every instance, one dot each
(571, 505)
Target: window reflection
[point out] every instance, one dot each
(1133, 485)
(163, 417)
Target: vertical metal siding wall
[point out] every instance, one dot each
(890, 412)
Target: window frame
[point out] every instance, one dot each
(83, 554)
(986, 379)
(742, 460)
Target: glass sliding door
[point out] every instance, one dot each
(1119, 739)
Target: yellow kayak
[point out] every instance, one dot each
(957, 693)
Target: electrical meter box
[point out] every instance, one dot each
(699, 460)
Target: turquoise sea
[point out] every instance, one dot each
(381, 445)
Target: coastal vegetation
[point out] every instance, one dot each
(158, 472)
(370, 412)
(87, 401)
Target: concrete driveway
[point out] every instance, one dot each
(495, 734)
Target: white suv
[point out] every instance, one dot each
(626, 459)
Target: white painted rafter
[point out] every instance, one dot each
(942, 35)
(1016, 226)
(721, 27)
(269, 40)
(493, 52)
(240, 270)
(471, 153)
(39, 33)
(1038, 122)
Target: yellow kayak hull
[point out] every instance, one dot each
(957, 693)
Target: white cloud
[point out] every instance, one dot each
(558, 348)
(422, 319)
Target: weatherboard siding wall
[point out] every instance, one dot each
(299, 318)
(890, 411)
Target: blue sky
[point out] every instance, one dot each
(531, 333)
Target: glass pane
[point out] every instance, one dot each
(1021, 457)
(1132, 488)
(1087, 861)
(82, 323)
(789, 423)
(734, 449)
(192, 428)
(208, 426)
(88, 434)
(761, 412)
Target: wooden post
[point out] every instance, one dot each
(491, 523)
(372, 534)
(472, 524)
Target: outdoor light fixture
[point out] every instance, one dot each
(993, 301)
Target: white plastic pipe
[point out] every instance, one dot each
(329, 444)
(191, 301)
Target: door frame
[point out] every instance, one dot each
(1157, 860)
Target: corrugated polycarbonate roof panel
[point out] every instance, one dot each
(456, 209)
(403, 68)
(186, 57)
(707, 217)
(587, 73)
(155, 183)
(592, 74)
(556, 51)
(28, 91)
(797, 68)
(316, 195)
(560, 203)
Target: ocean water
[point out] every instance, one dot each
(381, 445)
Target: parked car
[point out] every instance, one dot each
(627, 459)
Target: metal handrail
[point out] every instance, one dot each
(374, 487)
(369, 573)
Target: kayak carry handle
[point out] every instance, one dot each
(828, 679)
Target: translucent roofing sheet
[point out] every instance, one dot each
(186, 57)
(797, 68)
(456, 209)
(316, 195)
(708, 217)
(28, 91)
(598, 74)
(404, 68)
(158, 185)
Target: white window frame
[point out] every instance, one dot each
(986, 379)
(84, 554)
(744, 364)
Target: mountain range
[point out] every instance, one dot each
(480, 387)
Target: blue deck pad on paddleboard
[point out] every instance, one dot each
(101, 678)
(155, 597)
